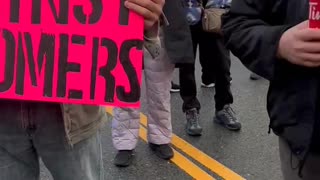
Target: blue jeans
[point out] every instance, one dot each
(29, 131)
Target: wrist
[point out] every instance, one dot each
(152, 32)
(279, 53)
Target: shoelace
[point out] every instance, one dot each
(230, 114)
(193, 118)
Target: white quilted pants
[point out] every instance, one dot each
(125, 125)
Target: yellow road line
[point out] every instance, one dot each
(182, 162)
(109, 110)
(200, 156)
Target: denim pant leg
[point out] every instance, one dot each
(18, 157)
(82, 161)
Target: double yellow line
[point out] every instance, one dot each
(185, 164)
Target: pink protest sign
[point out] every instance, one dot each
(70, 51)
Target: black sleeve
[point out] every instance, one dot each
(177, 36)
(251, 35)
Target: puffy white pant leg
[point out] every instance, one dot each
(158, 76)
(125, 126)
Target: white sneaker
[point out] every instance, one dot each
(174, 88)
(211, 85)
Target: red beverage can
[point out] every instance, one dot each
(314, 14)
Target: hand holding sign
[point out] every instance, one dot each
(71, 51)
(149, 9)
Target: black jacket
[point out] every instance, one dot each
(252, 31)
(177, 36)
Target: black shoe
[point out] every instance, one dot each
(163, 151)
(193, 127)
(254, 76)
(124, 158)
(174, 88)
(226, 117)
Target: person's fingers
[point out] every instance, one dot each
(145, 13)
(307, 47)
(308, 35)
(310, 64)
(147, 4)
(160, 2)
(309, 58)
(154, 6)
(306, 63)
(142, 11)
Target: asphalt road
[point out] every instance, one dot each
(252, 153)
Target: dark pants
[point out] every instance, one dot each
(215, 62)
(289, 164)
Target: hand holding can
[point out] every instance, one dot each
(314, 14)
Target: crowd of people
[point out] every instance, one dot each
(179, 42)
(270, 37)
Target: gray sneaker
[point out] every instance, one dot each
(226, 117)
(193, 127)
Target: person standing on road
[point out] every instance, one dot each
(215, 62)
(158, 75)
(158, 72)
(272, 38)
(66, 137)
